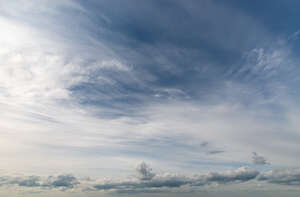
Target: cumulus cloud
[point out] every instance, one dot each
(150, 182)
(258, 159)
(167, 181)
(170, 181)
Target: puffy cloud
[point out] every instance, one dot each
(170, 181)
(150, 182)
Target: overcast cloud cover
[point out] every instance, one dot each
(143, 98)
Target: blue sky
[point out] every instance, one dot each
(143, 98)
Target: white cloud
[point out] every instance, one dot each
(44, 128)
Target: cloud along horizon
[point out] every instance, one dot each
(146, 181)
(204, 91)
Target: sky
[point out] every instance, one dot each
(149, 98)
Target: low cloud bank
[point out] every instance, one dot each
(282, 177)
(61, 181)
(146, 181)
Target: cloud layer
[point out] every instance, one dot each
(146, 181)
(60, 181)
(92, 87)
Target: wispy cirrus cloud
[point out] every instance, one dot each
(93, 87)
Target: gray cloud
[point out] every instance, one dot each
(66, 181)
(61, 181)
(159, 181)
(213, 152)
(170, 181)
(282, 176)
(144, 172)
(242, 174)
(31, 181)
(149, 182)
(259, 160)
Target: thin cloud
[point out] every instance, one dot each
(214, 152)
